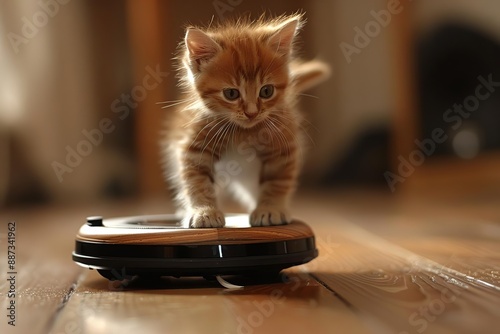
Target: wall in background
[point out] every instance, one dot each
(359, 96)
(66, 78)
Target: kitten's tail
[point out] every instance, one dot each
(307, 74)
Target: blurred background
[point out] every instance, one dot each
(413, 105)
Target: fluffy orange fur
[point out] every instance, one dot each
(238, 118)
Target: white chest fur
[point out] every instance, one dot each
(238, 172)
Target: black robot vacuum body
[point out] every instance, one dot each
(155, 246)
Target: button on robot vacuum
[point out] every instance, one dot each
(94, 221)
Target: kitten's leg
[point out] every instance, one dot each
(197, 190)
(277, 183)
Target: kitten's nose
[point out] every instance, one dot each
(251, 111)
(250, 115)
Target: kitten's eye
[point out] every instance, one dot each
(231, 93)
(266, 91)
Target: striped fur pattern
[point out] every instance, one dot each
(237, 126)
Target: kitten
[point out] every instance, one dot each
(239, 116)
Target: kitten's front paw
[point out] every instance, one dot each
(207, 217)
(265, 216)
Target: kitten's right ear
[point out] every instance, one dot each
(201, 47)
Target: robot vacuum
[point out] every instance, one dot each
(158, 245)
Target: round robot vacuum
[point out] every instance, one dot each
(155, 246)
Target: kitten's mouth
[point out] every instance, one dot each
(249, 123)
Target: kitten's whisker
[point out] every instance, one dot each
(292, 118)
(179, 100)
(285, 126)
(174, 103)
(231, 136)
(217, 121)
(200, 117)
(224, 138)
(194, 105)
(268, 127)
(281, 137)
(219, 136)
(197, 119)
(219, 142)
(309, 137)
(308, 95)
(212, 137)
(302, 126)
(293, 136)
(207, 134)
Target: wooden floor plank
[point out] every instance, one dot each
(443, 234)
(405, 289)
(193, 306)
(45, 276)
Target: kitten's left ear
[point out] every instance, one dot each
(282, 39)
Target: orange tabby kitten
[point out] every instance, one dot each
(239, 117)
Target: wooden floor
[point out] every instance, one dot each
(386, 265)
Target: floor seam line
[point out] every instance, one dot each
(335, 293)
(65, 300)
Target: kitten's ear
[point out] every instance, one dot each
(282, 39)
(201, 47)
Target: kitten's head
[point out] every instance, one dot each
(241, 70)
